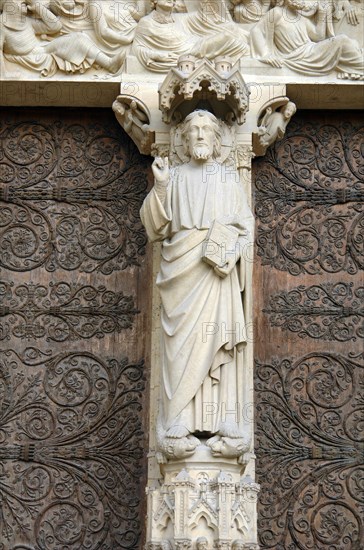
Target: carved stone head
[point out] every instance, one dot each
(238, 545)
(202, 543)
(201, 136)
(162, 5)
(289, 109)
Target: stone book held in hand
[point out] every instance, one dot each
(221, 242)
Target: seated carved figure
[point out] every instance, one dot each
(250, 11)
(69, 53)
(286, 37)
(110, 31)
(274, 124)
(162, 37)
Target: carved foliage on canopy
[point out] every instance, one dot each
(72, 197)
(70, 449)
(310, 199)
(309, 447)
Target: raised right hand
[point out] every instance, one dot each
(160, 169)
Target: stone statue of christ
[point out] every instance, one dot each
(203, 323)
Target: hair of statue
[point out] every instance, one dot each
(216, 127)
(153, 4)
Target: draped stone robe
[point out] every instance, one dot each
(203, 325)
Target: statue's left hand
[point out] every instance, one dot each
(226, 269)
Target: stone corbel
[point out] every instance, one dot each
(133, 115)
(273, 119)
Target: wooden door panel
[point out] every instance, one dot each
(74, 296)
(309, 289)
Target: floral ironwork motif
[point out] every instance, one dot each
(309, 198)
(326, 312)
(64, 311)
(71, 448)
(72, 196)
(310, 452)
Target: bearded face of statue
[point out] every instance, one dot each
(201, 138)
(163, 5)
(202, 544)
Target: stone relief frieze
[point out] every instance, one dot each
(305, 37)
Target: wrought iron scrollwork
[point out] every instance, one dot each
(71, 197)
(71, 447)
(310, 199)
(63, 311)
(310, 452)
(326, 312)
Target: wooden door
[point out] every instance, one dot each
(309, 295)
(74, 292)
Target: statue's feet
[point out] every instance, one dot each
(229, 429)
(350, 76)
(177, 431)
(227, 447)
(177, 448)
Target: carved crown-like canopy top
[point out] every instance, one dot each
(198, 83)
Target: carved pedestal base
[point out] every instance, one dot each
(204, 503)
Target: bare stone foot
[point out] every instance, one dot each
(177, 431)
(229, 429)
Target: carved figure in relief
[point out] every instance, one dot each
(305, 44)
(274, 123)
(111, 30)
(348, 9)
(134, 121)
(203, 324)
(250, 11)
(238, 544)
(70, 53)
(162, 37)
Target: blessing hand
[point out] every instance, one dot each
(160, 169)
